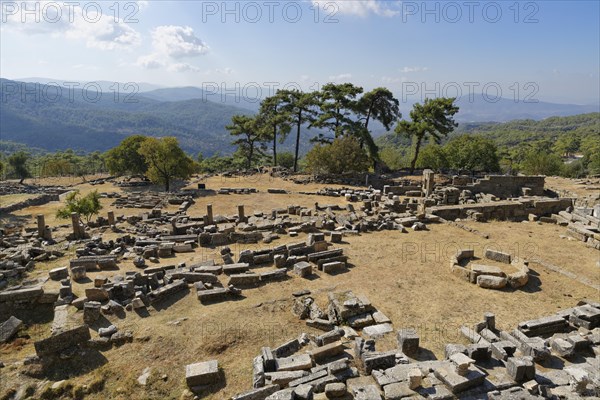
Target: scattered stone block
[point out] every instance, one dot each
(379, 330)
(203, 373)
(257, 394)
(336, 237)
(294, 363)
(303, 269)
(57, 274)
(491, 282)
(520, 369)
(408, 342)
(334, 267)
(78, 273)
(368, 392)
(397, 391)
(328, 351)
(335, 390)
(244, 280)
(498, 256)
(456, 383)
(9, 328)
(96, 294)
(91, 312)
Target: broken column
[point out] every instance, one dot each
(428, 176)
(111, 218)
(41, 225)
(241, 213)
(209, 214)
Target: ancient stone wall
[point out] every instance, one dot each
(36, 201)
(507, 186)
(503, 210)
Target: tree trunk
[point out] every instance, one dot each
(414, 160)
(250, 154)
(274, 145)
(167, 184)
(21, 181)
(297, 142)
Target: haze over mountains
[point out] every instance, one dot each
(76, 119)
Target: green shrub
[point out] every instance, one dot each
(343, 155)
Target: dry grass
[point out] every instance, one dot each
(406, 276)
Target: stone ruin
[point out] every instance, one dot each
(463, 266)
(496, 364)
(328, 363)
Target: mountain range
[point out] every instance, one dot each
(37, 115)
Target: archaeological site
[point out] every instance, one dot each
(268, 285)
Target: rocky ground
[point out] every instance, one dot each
(404, 272)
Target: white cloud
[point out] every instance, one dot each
(143, 4)
(177, 41)
(150, 61)
(63, 20)
(340, 77)
(171, 44)
(361, 8)
(406, 70)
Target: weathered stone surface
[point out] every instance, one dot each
(368, 392)
(375, 331)
(547, 325)
(397, 391)
(244, 280)
(319, 323)
(303, 392)
(258, 372)
(91, 312)
(335, 390)
(285, 394)
(520, 369)
(303, 269)
(408, 341)
(107, 332)
(562, 347)
(9, 328)
(480, 269)
(24, 294)
(257, 394)
(324, 352)
(446, 372)
(273, 275)
(334, 267)
(287, 349)
(57, 274)
(203, 373)
(167, 290)
(491, 282)
(503, 349)
(282, 378)
(498, 256)
(294, 363)
(329, 337)
(238, 268)
(361, 320)
(62, 341)
(96, 294)
(378, 360)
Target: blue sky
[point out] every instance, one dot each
(548, 50)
